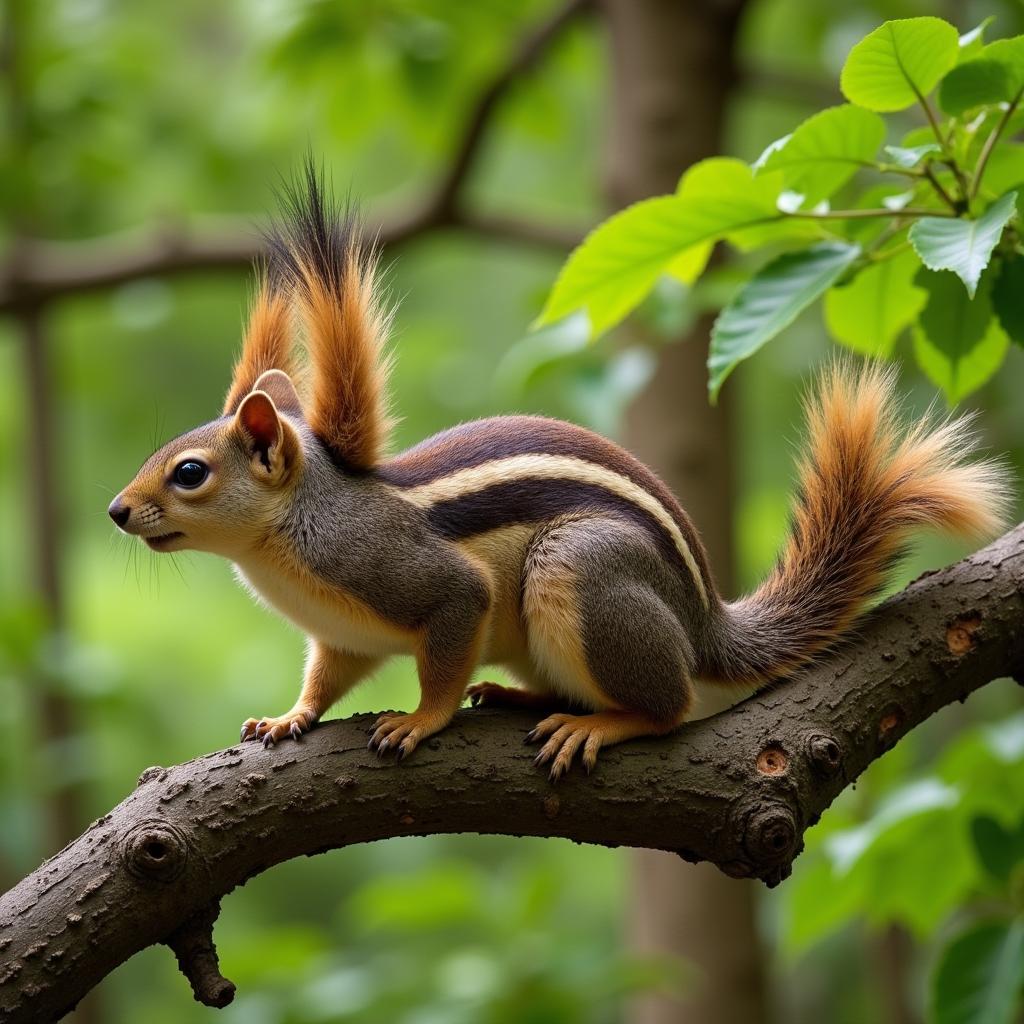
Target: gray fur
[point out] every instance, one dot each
(358, 536)
(633, 607)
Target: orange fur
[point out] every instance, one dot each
(346, 329)
(267, 345)
(864, 483)
(331, 274)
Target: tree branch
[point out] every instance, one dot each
(39, 271)
(738, 789)
(522, 59)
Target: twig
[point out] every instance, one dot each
(907, 211)
(929, 173)
(524, 56)
(991, 141)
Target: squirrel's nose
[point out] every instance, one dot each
(119, 512)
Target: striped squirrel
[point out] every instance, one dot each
(518, 540)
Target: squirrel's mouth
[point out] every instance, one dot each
(158, 543)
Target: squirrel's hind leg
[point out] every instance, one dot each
(495, 695)
(599, 604)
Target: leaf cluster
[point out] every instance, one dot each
(926, 235)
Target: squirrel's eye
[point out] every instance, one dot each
(190, 473)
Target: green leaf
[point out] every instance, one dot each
(957, 340)
(972, 43)
(770, 301)
(907, 157)
(911, 801)
(1005, 169)
(998, 848)
(975, 84)
(979, 976)
(619, 262)
(869, 313)
(963, 246)
(1010, 54)
(1006, 298)
(720, 175)
(899, 63)
(826, 150)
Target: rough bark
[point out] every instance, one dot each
(738, 790)
(673, 72)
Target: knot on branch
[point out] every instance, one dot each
(960, 634)
(825, 754)
(150, 774)
(155, 851)
(193, 945)
(770, 837)
(890, 726)
(773, 760)
(771, 833)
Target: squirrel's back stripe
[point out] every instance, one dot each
(494, 493)
(483, 441)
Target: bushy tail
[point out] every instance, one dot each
(864, 482)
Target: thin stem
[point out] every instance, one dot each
(990, 142)
(888, 232)
(937, 185)
(907, 211)
(942, 140)
(887, 254)
(907, 172)
(930, 114)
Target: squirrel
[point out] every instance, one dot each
(519, 540)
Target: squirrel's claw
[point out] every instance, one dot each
(566, 734)
(269, 731)
(400, 732)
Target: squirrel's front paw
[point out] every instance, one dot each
(270, 730)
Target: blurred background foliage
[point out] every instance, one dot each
(128, 115)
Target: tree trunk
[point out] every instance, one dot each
(672, 73)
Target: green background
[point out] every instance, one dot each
(151, 113)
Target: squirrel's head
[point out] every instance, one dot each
(225, 485)
(222, 486)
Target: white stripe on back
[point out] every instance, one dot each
(554, 467)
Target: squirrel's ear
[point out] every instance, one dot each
(271, 442)
(279, 386)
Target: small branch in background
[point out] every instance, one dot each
(56, 714)
(39, 272)
(49, 271)
(556, 237)
(524, 56)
